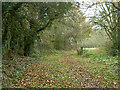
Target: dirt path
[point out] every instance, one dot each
(86, 77)
(56, 71)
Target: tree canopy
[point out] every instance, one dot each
(107, 19)
(23, 21)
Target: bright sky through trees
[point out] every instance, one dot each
(87, 12)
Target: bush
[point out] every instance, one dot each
(110, 48)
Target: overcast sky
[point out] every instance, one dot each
(87, 12)
(90, 12)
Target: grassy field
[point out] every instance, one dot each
(94, 69)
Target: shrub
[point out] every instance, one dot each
(110, 48)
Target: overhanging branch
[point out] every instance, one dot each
(116, 6)
(48, 23)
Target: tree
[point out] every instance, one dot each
(65, 33)
(23, 21)
(108, 20)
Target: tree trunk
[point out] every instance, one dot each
(119, 42)
(119, 29)
(28, 45)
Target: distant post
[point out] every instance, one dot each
(81, 51)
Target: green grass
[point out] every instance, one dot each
(61, 69)
(108, 65)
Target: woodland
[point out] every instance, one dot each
(55, 45)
